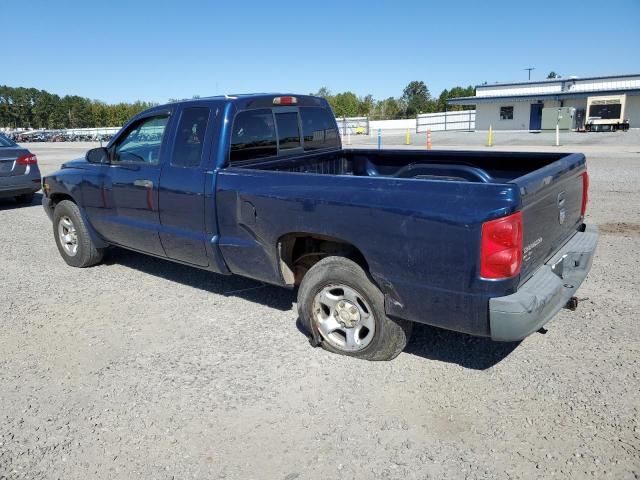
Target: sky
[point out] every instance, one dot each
(156, 50)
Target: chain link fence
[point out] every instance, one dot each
(353, 125)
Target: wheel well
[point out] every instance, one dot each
(300, 251)
(58, 197)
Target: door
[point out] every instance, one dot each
(535, 117)
(131, 186)
(182, 189)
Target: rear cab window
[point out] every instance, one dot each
(288, 130)
(271, 132)
(319, 129)
(253, 135)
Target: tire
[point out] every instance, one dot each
(341, 307)
(72, 238)
(25, 198)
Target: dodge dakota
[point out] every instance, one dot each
(489, 243)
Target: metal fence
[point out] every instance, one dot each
(460, 120)
(353, 125)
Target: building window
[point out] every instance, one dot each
(506, 113)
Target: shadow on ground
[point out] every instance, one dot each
(428, 342)
(229, 285)
(476, 353)
(9, 203)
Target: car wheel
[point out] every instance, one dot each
(72, 238)
(341, 307)
(25, 199)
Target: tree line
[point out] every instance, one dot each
(32, 108)
(415, 99)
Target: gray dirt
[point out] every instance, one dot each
(140, 368)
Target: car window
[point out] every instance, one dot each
(141, 142)
(187, 151)
(318, 128)
(288, 130)
(253, 135)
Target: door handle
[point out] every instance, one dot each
(143, 183)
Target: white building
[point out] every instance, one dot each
(518, 106)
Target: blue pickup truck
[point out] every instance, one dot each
(488, 243)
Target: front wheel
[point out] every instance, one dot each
(72, 238)
(339, 304)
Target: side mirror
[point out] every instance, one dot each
(97, 155)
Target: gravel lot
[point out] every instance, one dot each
(141, 368)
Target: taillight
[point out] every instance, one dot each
(585, 193)
(285, 100)
(501, 247)
(28, 159)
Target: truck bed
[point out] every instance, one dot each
(420, 211)
(465, 166)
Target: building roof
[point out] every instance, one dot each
(554, 80)
(552, 89)
(540, 96)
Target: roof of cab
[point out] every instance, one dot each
(244, 99)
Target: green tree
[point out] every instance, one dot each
(346, 105)
(43, 104)
(57, 116)
(325, 93)
(455, 92)
(553, 74)
(417, 98)
(389, 109)
(32, 108)
(99, 113)
(366, 106)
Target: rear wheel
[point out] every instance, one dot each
(72, 238)
(25, 198)
(341, 307)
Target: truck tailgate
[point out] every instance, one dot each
(551, 209)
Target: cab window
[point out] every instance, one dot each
(141, 142)
(190, 137)
(253, 135)
(288, 130)
(318, 128)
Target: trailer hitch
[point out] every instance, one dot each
(572, 304)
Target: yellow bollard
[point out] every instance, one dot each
(428, 139)
(407, 138)
(490, 138)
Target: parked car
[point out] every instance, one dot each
(19, 173)
(488, 243)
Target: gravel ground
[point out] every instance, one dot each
(140, 368)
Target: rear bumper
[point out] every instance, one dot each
(14, 185)
(516, 316)
(18, 189)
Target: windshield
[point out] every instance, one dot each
(5, 142)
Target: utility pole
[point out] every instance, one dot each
(529, 70)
